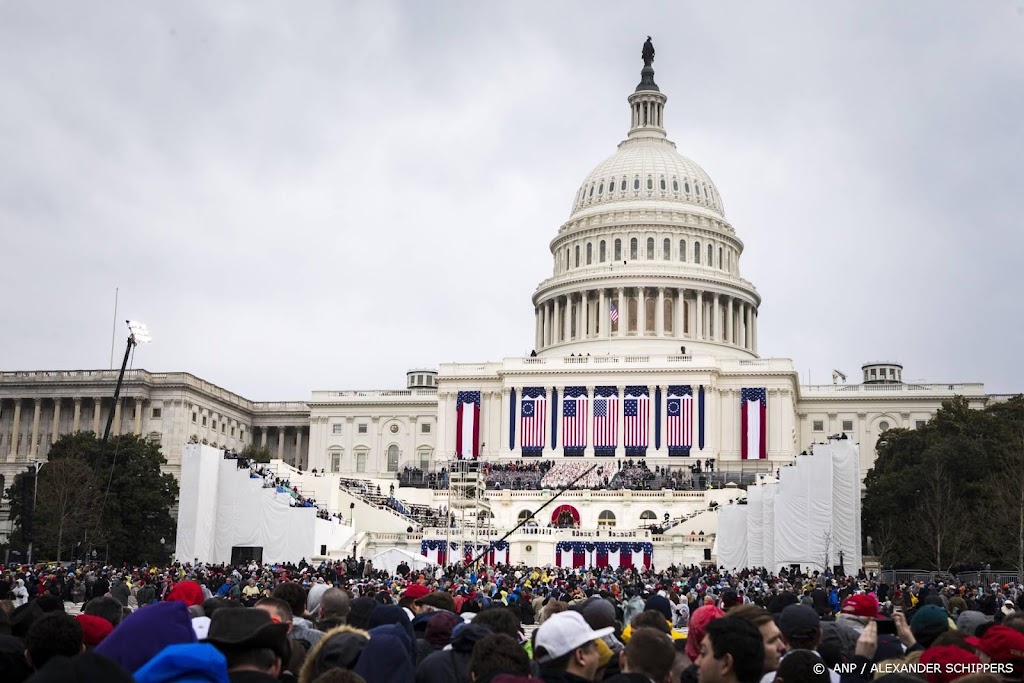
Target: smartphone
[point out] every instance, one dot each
(886, 627)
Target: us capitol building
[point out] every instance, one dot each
(646, 346)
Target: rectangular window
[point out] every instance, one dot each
(873, 372)
(602, 252)
(335, 462)
(193, 418)
(919, 424)
(232, 431)
(424, 460)
(425, 428)
(223, 428)
(241, 433)
(157, 412)
(204, 420)
(362, 428)
(618, 250)
(360, 462)
(336, 429)
(818, 426)
(847, 425)
(214, 425)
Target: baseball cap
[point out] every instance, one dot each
(1003, 644)
(563, 632)
(862, 605)
(416, 591)
(798, 620)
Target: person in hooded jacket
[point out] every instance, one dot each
(451, 665)
(384, 659)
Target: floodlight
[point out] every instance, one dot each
(139, 332)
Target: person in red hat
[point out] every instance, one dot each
(858, 610)
(410, 595)
(948, 662)
(94, 629)
(1003, 645)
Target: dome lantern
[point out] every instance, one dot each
(647, 103)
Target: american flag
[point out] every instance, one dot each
(753, 424)
(680, 416)
(606, 421)
(532, 412)
(615, 314)
(574, 417)
(637, 425)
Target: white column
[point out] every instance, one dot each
(138, 417)
(567, 319)
(34, 445)
(55, 429)
(716, 316)
(97, 407)
(620, 441)
(263, 437)
(16, 426)
(729, 331)
(77, 416)
(537, 344)
(280, 443)
(753, 327)
(623, 313)
(585, 313)
(298, 447)
(117, 416)
(659, 314)
(556, 328)
(602, 315)
(641, 312)
(698, 311)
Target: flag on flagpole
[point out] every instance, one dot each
(753, 410)
(614, 314)
(467, 424)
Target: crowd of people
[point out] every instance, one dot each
(516, 475)
(346, 621)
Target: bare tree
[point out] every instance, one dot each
(1008, 494)
(939, 516)
(885, 542)
(64, 506)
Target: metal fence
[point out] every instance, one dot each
(894, 576)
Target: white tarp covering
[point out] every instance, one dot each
(755, 526)
(807, 518)
(221, 506)
(392, 557)
(732, 537)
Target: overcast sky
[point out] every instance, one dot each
(322, 195)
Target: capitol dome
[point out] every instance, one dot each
(647, 262)
(648, 168)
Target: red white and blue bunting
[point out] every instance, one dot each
(614, 554)
(441, 552)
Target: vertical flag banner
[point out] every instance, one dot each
(753, 409)
(512, 420)
(467, 425)
(614, 313)
(680, 420)
(636, 427)
(700, 417)
(532, 418)
(574, 420)
(606, 420)
(554, 418)
(657, 418)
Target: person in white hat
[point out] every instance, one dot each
(566, 649)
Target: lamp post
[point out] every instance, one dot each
(35, 494)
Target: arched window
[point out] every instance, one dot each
(591, 193)
(577, 256)
(335, 457)
(606, 520)
(602, 251)
(650, 183)
(667, 315)
(667, 250)
(686, 186)
(392, 458)
(590, 253)
(524, 515)
(711, 256)
(632, 249)
(705, 192)
(623, 186)
(636, 183)
(651, 304)
(682, 250)
(632, 304)
(566, 258)
(650, 248)
(600, 188)
(618, 250)
(721, 263)
(696, 253)
(675, 185)
(647, 514)
(663, 187)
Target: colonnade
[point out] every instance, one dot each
(22, 435)
(676, 312)
(287, 440)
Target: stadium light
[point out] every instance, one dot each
(139, 333)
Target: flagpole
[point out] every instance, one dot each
(113, 331)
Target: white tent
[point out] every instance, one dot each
(392, 557)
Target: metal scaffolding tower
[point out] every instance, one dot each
(468, 508)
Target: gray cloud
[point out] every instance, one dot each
(322, 195)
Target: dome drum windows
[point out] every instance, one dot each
(622, 188)
(667, 250)
(636, 183)
(682, 251)
(675, 185)
(696, 253)
(618, 250)
(633, 249)
(663, 186)
(650, 248)
(590, 253)
(602, 251)
(600, 189)
(577, 256)
(650, 183)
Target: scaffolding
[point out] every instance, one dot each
(469, 510)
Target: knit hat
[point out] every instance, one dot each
(359, 613)
(969, 621)
(799, 621)
(928, 624)
(1004, 645)
(188, 592)
(145, 633)
(94, 629)
(184, 664)
(699, 621)
(948, 662)
(439, 628)
(661, 604)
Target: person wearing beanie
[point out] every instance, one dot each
(968, 621)
(929, 623)
(359, 612)
(437, 635)
(146, 632)
(945, 663)
(94, 630)
(185, 662)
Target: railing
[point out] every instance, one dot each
(946, 389)
(895, 576)
(639, 267)
(370, 393)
